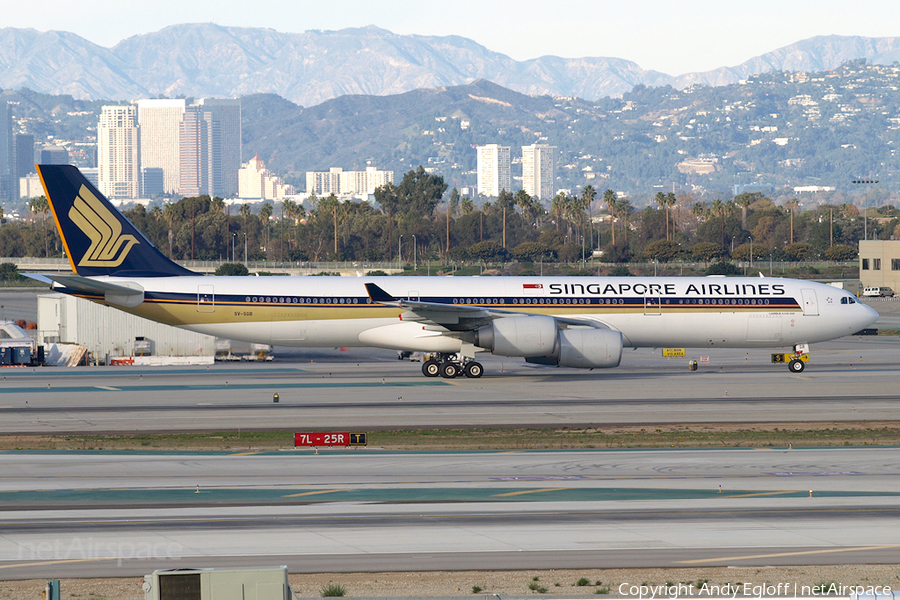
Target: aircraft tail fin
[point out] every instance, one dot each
(99, 240)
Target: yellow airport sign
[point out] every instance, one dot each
(674, 352)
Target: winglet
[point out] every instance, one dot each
(378, 295)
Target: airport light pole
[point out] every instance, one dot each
(415, 258)
(233, 236)
(865, 206)
(399, 256)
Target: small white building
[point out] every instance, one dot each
(111, 332)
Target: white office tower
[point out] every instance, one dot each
(228, 113)
(256, 181)
(159, 121)
(118, 152)
(539, 170)
(493, 170)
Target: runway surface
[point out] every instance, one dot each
(104, 514)
(851, 379)
(85, 514)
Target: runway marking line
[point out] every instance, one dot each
(316, 493)
(57, 562)
(764, 494)
(108, 388)
(507, 494)
(806, 552)
(246, 453)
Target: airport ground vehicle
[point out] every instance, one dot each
(878, 292)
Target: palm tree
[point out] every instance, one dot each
(588, 196)
(624, 209)
(559, 206)
(670, 201)
(722, 210)
(40, 206)
(609, 197)
(660, 203)
(504, 201)
(744, 201)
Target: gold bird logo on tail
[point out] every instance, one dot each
(103, 229)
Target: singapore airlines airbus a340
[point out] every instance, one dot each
(581, 322)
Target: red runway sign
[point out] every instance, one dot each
(322, 438)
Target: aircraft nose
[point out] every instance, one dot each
(869, 316)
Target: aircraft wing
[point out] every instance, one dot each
(112, 293)
(457, 317)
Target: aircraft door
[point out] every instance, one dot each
(652, 305)
(206, 299)
(810, 303)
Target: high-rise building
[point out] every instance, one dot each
(152, 182)
(159, 120)
(24, 150)
(338, 181)
(9, 182)
(256, 181)
(118, 149)
(200, 153)
(494, 173)
(228, 113)
(54, 155)
(539, 170)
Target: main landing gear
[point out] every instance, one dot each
(449, 366)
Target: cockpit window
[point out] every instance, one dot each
(848, 300)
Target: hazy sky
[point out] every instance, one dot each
(672, 36)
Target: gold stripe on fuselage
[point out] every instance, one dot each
(186, 312)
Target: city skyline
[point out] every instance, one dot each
(673, 38)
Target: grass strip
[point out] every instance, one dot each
(699, 435)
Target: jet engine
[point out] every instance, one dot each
(518, 336)
(539, 340)
(589, 348)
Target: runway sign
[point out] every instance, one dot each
(322, 438)
(674, 352)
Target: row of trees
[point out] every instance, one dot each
(418, 219)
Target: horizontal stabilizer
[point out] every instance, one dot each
(113, 293)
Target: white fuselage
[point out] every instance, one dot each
(648, 311)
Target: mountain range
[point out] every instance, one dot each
(208, 60)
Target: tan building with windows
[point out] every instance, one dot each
(879, 263)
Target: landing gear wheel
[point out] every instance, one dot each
(431, 368)
(473, 370)
(449, 370)
(796, 366)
